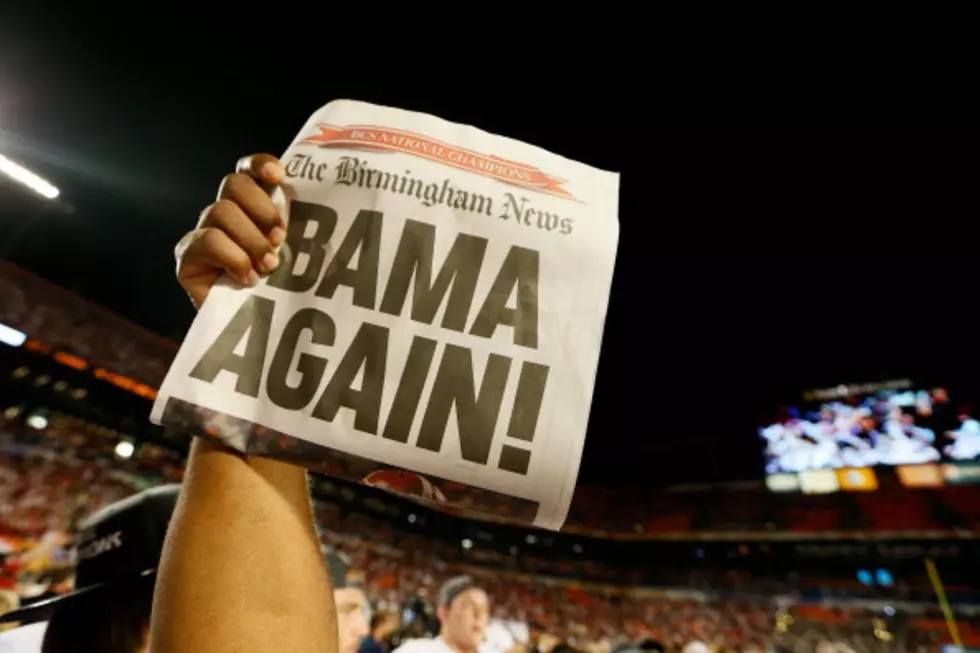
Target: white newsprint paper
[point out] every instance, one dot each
(434, 326)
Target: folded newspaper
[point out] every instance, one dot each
(434, 326)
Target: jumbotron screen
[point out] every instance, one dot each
(923, 432)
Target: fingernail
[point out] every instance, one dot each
(251, 278)
(270, 261)
(273, 171)
(276, 236)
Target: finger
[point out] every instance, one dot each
(253, 200)
(214, 247)
(230, 218)
(263, 167)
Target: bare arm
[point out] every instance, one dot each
(242, 569)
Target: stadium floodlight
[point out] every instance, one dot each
(22, 175)
(37, 421)
(125, 449)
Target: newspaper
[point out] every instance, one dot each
(434, 326)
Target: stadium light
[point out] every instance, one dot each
(11, 336)
(22, 175)
(37, 421)
(125, 449)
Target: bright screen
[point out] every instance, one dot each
(890, 427)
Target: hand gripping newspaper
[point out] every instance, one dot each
(434, 326)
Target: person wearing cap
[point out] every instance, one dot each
(463, 608)
(117, 551)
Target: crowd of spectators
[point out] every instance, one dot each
(750, 508)
(63, 320)
(52, 476)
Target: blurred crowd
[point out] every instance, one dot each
(54, 472)
(595, 618)
(53, 476)
(748, 507)
(65, 321)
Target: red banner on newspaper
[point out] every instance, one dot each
(396, 140)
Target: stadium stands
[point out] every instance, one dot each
(737, 567)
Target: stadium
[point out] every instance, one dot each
(783, 451)
(737, 566)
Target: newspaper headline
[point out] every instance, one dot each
(437, 316)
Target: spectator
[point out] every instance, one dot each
(383, 626)
(464, 613)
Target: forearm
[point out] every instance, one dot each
(242, 569)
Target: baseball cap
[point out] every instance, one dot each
(453, 588)
(120, 543)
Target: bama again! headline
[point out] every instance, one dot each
(247, 342)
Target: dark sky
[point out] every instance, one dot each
(756, 258)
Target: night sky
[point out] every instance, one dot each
(756, 259)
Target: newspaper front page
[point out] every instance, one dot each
(434, 326)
